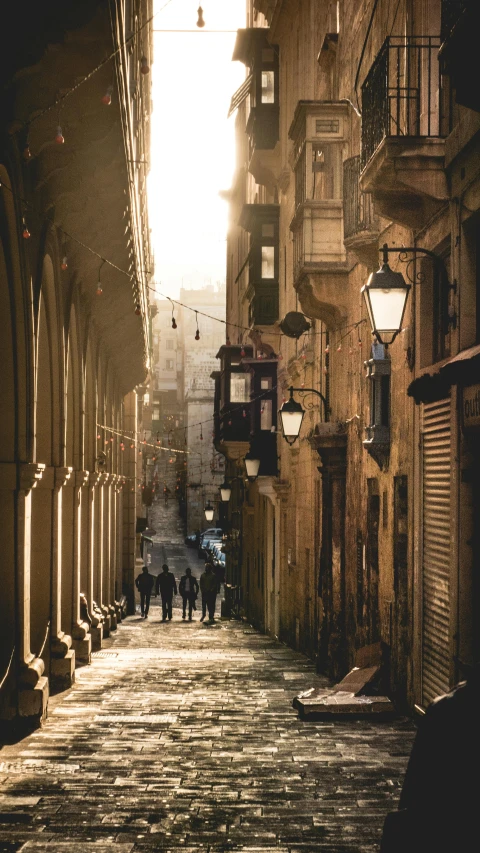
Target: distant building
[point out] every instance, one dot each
(205, 467)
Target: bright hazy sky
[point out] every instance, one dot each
(192, 158)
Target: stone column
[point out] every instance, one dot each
(282, 490)
(26, 688)
(112, 550)
(95, 615)
(62, 667)
(331, 445)
(103, 554)
(82, 641)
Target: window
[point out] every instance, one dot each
(169, 365)
(268, 262)
(169, 344)
(240, 388)
(266, 415)
(268, 87)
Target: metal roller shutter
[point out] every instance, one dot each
(436, 548)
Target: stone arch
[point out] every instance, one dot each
(49, 373)
(49, 449)
(90, 406)
(74, 426)
(16, 353)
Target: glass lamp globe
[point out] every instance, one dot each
(386, 294)
(291, 416)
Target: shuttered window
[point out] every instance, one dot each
(436, 549)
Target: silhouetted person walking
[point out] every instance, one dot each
(167, 586)
(440, 795)
(144, 583)
(209, 589)
(188, 590)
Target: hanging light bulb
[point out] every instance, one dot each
(144, 66)
(59, 136)
(64, 264)
(26, 153)
(280, 356)
(339, 348)
(98, 435)
(174, 324)
(99, 283)
(122, 446)
(25, 233)
(327, 349)
(138, 309)
(107, 98)
(242, 352)
(227, 342)
(197, 333)
(200, 21)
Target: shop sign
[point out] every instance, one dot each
(471, 406)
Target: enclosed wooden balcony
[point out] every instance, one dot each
(403, 129)
(261, 221)
(261, 92)
(319, 131)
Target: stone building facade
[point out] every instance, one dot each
(74, 258)
(205, 467)
(357, 126)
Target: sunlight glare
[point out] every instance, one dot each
(192, 141)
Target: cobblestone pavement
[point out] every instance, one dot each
(182, 736)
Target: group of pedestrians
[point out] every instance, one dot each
(166, 585)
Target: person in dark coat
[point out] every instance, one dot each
(188, 590)
(209, 589)
(440, 794)
(167, 586)
(144, 583)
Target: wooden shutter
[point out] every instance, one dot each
(436, 549)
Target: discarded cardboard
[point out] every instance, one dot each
(352, 696)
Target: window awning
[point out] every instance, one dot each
(240, 95)
(463, 368)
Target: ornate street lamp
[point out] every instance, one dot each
(225, 491)
(209, 511)
(252, 464)
(291, 414)
(386, 293)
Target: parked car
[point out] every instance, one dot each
(214, 533)
(205, 549)
(210, 531)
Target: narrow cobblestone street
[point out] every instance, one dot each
(183, 736)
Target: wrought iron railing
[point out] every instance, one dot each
(452, 11)
(401, 93)
(358, 212)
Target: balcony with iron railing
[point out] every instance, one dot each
(403, 130)
(360, 224)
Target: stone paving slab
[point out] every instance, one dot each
(177, 738)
